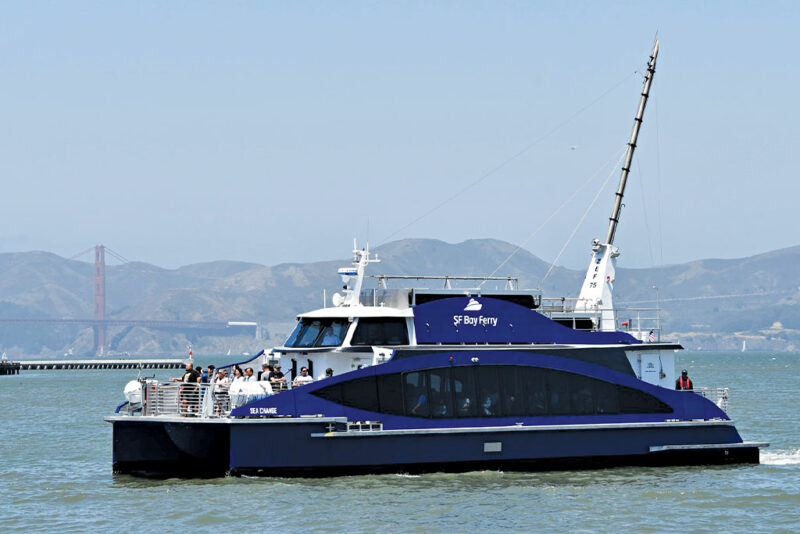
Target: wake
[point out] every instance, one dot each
(791, 457)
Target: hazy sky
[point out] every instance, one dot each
(183, 132)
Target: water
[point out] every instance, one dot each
(55, 474)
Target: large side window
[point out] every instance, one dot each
(489, 391)
(558, 393)
(415, 387)
(535, 391)
(390, 394)
(489, 404)
(381, 331)
(441, 393)
(361, 393)
(633, 401)
(464, 389)
(513, 400)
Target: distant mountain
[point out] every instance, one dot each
(709, 304)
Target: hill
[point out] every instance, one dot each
(708, 304)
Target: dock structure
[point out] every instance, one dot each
(9, 368)
(50, 365)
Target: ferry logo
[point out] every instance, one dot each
(473, 305)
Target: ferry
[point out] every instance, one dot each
(414, 380)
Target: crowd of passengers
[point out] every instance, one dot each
(223, 385)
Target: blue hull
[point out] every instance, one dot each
(304, 447)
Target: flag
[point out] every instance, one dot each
(652, 337)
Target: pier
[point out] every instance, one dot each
(51, 365)
(9, 368)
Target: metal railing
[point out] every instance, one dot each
(196, 400)
(718, 396)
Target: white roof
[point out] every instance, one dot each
(347, 312)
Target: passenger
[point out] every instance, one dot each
(221, 386)
(489, 405)
(465, 406)
(189, 369)
(328, 374)
(304, 378)
(203, 375)
(263, 374)
(238, 376)
(248, 375)
(276, 376)
(188, 390)
(684, 382)
(441, 408)
(420, 407)
(329, 338)
(511, 404)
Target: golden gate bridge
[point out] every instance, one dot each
(100, 323)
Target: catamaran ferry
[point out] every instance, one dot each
(443, 380)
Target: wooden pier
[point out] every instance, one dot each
(50, 365)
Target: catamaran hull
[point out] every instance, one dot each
(307, 448)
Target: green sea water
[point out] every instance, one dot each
(55, 474)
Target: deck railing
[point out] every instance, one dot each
(194, 400)
(718, 396)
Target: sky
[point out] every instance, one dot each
(270, 132)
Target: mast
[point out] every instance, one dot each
(597, 292)
(626, 168)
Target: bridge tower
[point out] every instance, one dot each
(99, 300)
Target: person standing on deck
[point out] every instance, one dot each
(684, 382)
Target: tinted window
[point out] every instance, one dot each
(558, 394)
(381, 331)
(535, 391)
(361, 393)
(513, 402)
(441, 393)
(464, 389)
(582, 395)
(490, 391)
(606, 397)
(331, 393)
(415, 387)
(390, 394)
(489, 387)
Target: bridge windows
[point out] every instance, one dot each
(490, 391)
(318, 333)
(381, 331)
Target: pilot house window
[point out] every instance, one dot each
(318, 333)
(381, 331)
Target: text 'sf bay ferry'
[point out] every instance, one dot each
(443, 380)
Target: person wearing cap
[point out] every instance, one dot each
(276, 376)
(263, 374)
(684, 382)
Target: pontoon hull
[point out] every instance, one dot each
(305, 447)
